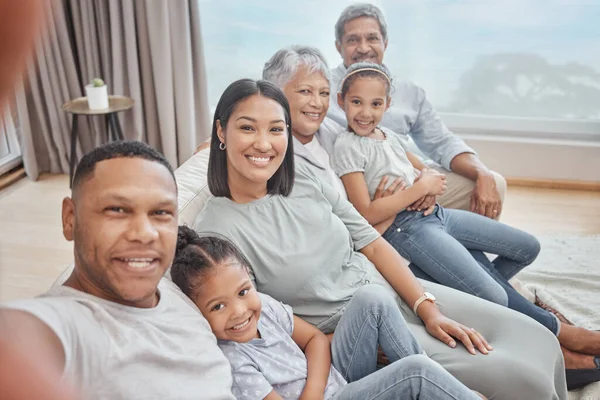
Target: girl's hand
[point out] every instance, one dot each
(446, 330)
(433, 181)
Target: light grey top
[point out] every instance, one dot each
(375, 158)
(303, 249)
(274, 361)
(410, 114)
(117, 352)
(326, 136)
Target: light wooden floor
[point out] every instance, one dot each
(33, 251)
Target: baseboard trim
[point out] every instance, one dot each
(11, 177)
(554, 184)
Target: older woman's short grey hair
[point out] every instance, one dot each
(284, 64)
(356, 11)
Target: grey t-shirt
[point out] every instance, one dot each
(303, 249)
(117, 352)
(375, 158)
(274, 361)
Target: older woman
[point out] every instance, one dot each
(302, 73)
(311, 249)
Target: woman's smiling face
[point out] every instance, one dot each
(308, 95)
(257, 138)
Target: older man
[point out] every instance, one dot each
(361, 35)
(116, 329)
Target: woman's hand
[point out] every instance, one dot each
(446, 330)
(433, 181)
(381, 191)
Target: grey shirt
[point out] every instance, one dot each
(303, 249)
(117, 352)
(375, 158)
(410, 115)
(273, 361)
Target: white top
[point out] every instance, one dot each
(117, 352)
(375, 158)
(314, 146)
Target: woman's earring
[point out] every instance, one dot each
(222, 146)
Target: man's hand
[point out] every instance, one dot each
(485, 199)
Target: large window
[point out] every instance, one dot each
(536, 59)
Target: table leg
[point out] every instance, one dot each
(73, 146)
(109, 135)
(115, 126)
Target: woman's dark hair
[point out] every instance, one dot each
(283, 180)
(366, 70)
(196, 255)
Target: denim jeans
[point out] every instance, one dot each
(447, 247)
(371, 319)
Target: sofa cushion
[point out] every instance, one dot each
(193, 187)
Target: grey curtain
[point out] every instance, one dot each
(150, 50)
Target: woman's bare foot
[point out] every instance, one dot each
(480, 395)
(579, 340)
(575, 360)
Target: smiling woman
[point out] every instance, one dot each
(251, 139)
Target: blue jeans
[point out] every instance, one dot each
(371, 319)
(447, 246)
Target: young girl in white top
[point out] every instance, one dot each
(275, 355)
(444, 246)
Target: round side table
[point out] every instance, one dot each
(79, 106)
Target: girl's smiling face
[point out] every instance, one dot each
(365, 103)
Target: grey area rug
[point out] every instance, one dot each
(566, 276)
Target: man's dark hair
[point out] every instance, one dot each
(197, 255)
(283, 180)
(119, 149)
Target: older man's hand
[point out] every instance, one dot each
(485, 199)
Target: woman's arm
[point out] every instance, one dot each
(317, 349)
(378, 210)
(393, 268)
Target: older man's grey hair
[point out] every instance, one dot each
(356, 11)
(284, 64)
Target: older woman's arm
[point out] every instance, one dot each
(393, 268)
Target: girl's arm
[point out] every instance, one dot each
(316, 347)
(378, 210)
(273, 395)
(415, 161)
(393, 268)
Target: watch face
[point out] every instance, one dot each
(429, 296)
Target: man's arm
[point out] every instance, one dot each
(31, 353)
(413, 114)
(485, 199)
(436, 141)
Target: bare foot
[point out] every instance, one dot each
(575, 360)
(480, 395)
(579, 339)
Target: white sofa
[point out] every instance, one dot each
(192, 185)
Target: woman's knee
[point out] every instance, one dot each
(375, 298)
